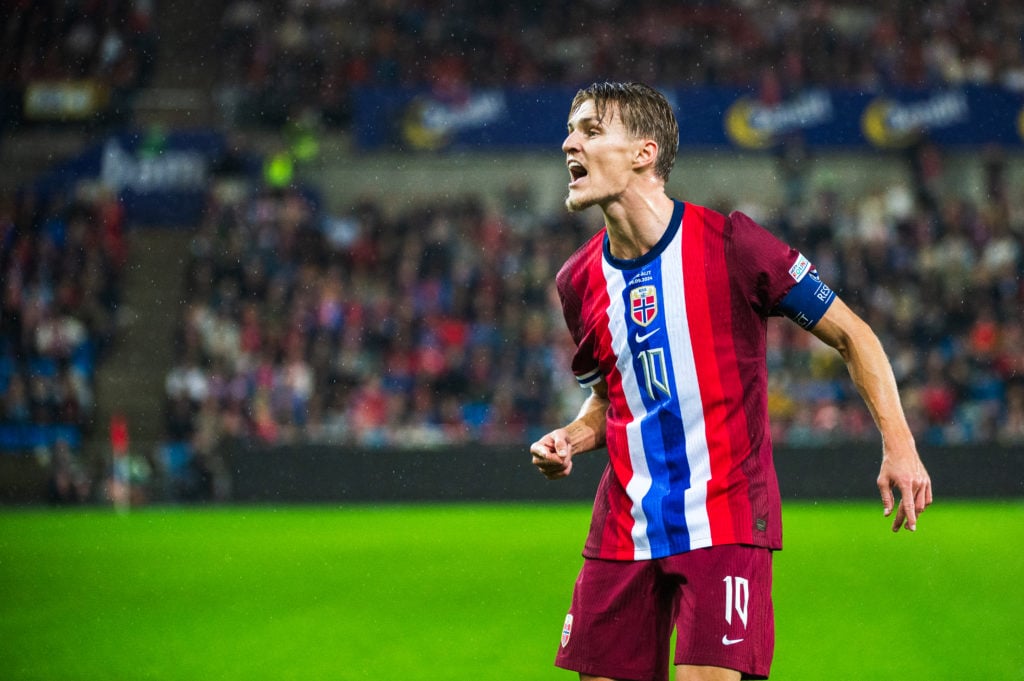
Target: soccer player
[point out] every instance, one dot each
(667, 305)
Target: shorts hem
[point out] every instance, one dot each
(745, 673)
(610, 672)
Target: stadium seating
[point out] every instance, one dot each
(313, 56)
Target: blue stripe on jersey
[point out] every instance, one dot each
(677, 477)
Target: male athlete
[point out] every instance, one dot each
(667, 305)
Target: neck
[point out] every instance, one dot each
(636, 224)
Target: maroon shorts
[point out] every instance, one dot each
(718, 599)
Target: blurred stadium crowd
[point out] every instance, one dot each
(311, 55)
(438, 324)
(60, 266)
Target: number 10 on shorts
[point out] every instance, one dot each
(737, 598)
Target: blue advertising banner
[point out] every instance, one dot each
(161, 179)
(708, 118)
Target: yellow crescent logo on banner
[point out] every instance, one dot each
(417, 133)
(740, 128)
(878, 130)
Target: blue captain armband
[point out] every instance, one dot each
(807, 302)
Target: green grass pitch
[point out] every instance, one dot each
(471, 592)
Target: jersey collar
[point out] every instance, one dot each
(636, 263)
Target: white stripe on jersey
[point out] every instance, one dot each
(640, 483)
(690, 404)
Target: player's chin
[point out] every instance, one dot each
(576, 202)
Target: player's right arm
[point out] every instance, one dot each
(552, 454)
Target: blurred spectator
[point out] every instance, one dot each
(67, 480)
(1011, 432)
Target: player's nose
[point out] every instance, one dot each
(570, 143)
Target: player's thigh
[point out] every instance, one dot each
(725, 615)
(620, 622)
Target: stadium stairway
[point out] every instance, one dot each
(130, 379)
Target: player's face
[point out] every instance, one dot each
(600, 155)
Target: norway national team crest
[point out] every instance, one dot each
(567, 630)
(643, 304)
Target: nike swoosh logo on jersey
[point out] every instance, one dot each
(641, 339)
(726, 641)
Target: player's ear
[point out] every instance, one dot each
(647, 153)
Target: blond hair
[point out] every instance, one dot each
(645, 114)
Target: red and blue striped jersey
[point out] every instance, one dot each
(679, 337)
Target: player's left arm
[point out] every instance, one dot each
(869, 367)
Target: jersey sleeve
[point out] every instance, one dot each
(775, 278)
(584, 363)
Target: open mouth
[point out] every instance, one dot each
(576, 172)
